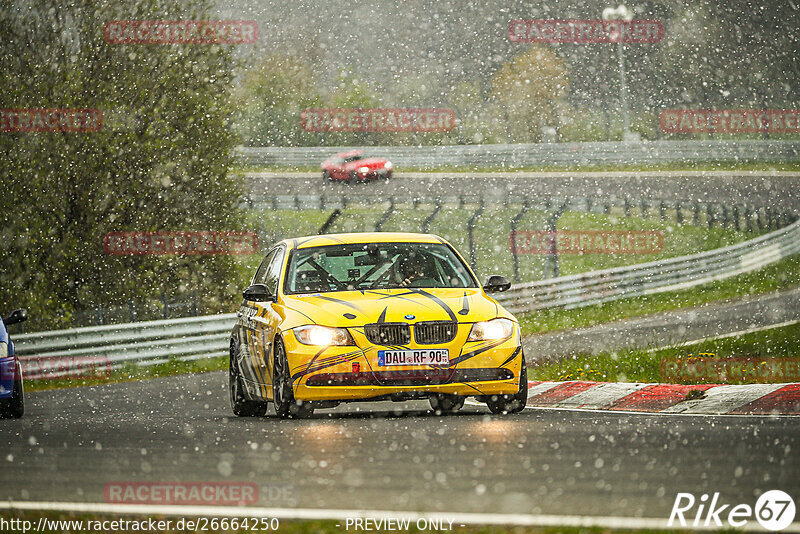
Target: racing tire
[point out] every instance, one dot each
(353, 177)
(240, 406)
(14, 407)
(504, 404)
(283, 397)
(442, 403)
(327, 176)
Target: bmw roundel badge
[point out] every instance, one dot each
(410, 317)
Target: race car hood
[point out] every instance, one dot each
(357, 308)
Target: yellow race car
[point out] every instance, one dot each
(372, 316)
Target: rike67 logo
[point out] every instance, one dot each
(774, 510)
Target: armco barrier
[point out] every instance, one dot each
(153, 342)
(516, 155)
(594, 287)
(143, 343)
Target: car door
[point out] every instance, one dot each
(259, 324)
(269, 319)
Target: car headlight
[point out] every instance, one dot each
(363, 170)
(323, 335)
(494, 329)
(3, 349)
(388, 165)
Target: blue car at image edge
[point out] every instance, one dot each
(12, 402)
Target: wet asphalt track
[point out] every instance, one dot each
(779, 191)
(390, 456)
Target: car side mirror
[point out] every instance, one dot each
(496, 283)
(17, 316)
(257, 293)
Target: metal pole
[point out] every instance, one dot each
(623, 91)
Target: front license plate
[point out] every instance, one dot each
(388, 358)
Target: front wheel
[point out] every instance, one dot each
(239, 404)
(442, 403)
(511, 403)
(14, 407)
(282, 394)
(327, 176)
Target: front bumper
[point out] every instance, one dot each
(351, 373)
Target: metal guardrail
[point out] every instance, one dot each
(153, 342)
(116, 346)
(595, 287)
(517, 155)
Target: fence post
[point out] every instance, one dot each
(748, 219)
(385, 216)
(514, 222)
(696, 214)
(132, 308)
(552, 253)
(662, 210)
(329, 222)
(426, 224)
(709, 215)
(471, 237)
(627, 207)
(735, 216)
(678, 213)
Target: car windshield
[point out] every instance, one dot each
(354, 157)
(375, 266)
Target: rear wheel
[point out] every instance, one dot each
(511, 403)
(14, 407)
(239, 404)
(282, 394)
(442, 403)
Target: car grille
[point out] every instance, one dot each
(388, 333)
(434, 332)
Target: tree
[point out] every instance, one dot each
(529, 87)
(163, 168)
(271, 98)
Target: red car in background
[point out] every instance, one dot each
(355, 166)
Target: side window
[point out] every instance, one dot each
(262, 269)
(273, 270)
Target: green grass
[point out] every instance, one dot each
(780, 275)
(644, 365)
(133, 373)
(302, 527)
(608, 167)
